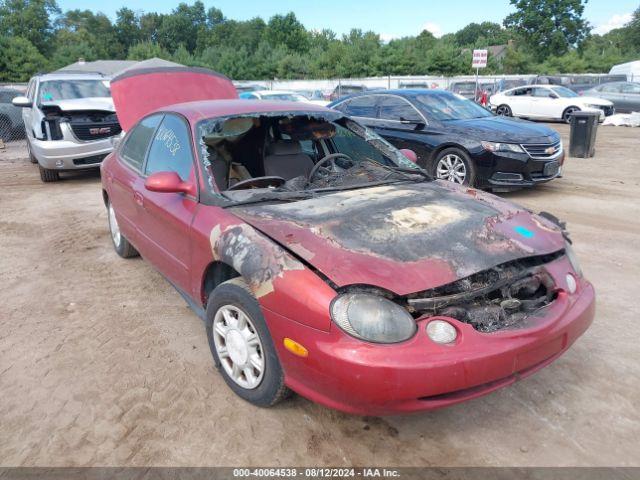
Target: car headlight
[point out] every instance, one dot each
(372, 318)
(573, 259)
(502, 147)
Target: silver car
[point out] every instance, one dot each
(624, 95)
(70, 122)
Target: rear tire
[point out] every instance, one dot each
(239, 337)
(47, 175)
(504, 111)
(120, 244)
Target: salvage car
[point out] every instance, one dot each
(324, 261)
(70, 122)
(542, 102)
(457, 140)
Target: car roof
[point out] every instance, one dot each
(71, 76)
(201, 110)
(275, 92)
(401, 92)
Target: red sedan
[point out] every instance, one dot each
(324, 261)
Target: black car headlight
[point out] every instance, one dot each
(502, 147)
(573, 259)
(372, 318)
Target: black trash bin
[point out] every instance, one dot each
(584, 126)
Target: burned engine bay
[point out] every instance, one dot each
(495, 299)
(500, 298)
(86, 125)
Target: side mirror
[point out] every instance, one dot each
(22, 102)
(553, 95)
(168, 182)
(410, 154)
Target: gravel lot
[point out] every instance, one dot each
(102, 363)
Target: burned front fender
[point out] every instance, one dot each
(281, 282)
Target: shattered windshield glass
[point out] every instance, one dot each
(285, 157)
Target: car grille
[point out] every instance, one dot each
(607, 111)
(543, 150)
(89, 160)
(95, 131)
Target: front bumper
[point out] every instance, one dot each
(363, 378)
(70, 153)
(503, 170)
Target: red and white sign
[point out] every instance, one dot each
(479, 59)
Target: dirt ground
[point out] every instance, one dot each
(102, 362)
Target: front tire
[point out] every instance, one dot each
(241, 345)
(47, 175)
(120, 244)
(568, 113)
(454, 165)
(504, 111)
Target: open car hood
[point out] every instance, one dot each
(137, 92)
(404, 238)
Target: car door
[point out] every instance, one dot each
(613, 93)
(542, 103)
(520, 101)
(403, 126)
(125, 180)
(631, 97)
(164, 219)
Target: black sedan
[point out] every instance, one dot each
(455, 139)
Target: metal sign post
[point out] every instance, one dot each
(479, 61)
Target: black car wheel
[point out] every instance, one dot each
(454, 165)
(504, 111)
(47, 175)
(568, 113)
(32, 158)
(241, 345)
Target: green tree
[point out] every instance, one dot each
(491, 33)
(288, 31)
(182, 26)
(30, 20)
(548, 27)
(20, 59)
(127, 28)
(146, 50)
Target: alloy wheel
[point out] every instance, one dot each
(114, 227)
(569, 113)
(451, 167)
(503, 111)
(238, 346)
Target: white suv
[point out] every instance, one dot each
(70, 122)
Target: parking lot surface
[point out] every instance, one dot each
(102, 362)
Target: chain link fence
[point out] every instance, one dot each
(11, 124)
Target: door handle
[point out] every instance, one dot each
(137, 196)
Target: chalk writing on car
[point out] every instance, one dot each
(169, 138)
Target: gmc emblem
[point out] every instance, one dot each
(99, 131)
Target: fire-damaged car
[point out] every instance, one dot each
(70, 122)
(324, 261)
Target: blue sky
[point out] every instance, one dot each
(390, 18)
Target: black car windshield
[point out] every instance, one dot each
(280, 156)
(53, 90)
(447, 106)
(564, 92)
